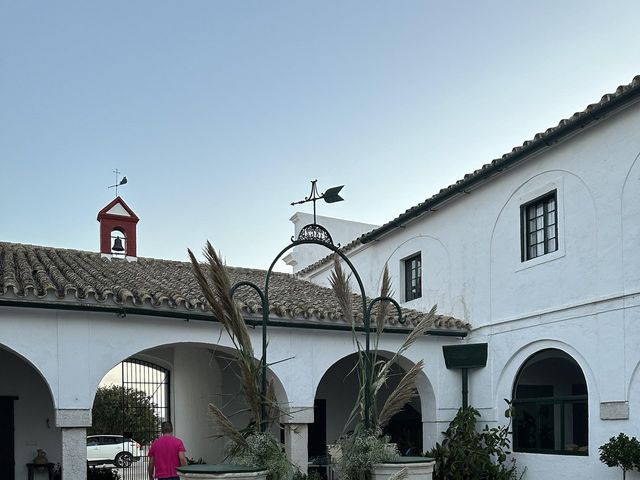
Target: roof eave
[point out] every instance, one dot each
(542, 143)
(252, 320)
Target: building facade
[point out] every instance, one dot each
(68, 317)
(538, 251)
(534, 255)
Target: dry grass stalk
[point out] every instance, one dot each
(226, 427)
(383, 307)
(418, 331)
(216, 288)
(380, 368)
(340, 284)
(401, 395)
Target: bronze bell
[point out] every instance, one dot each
(117, 245)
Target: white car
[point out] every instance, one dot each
(114, 449)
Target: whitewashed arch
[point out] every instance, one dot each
(423, 385)
(35, 368)
(507, 376)
(281, 393)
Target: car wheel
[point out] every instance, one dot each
(123, 460)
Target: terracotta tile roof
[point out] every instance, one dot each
(45, 274)
(623, 96)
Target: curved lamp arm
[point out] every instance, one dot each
(401, 320)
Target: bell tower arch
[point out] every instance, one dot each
(118, 229)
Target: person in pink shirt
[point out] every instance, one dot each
(166, 454)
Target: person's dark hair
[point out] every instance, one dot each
(166, 427)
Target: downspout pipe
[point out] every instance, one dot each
(465, 387)
(463, 357)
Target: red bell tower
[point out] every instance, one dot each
(117, 218)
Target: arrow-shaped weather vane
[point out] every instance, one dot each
(331, 195)
(117, 184)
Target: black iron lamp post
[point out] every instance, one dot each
(315, 234)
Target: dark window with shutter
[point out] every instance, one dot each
(539, 220)
(413, 277)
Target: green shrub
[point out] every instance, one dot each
(466, 453)
(263, 450)
(360, 451)
(621, 451)
(102, 473)
(312, 475)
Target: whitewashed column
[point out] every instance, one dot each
(296, 435)
(74, 423)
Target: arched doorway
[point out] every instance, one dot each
(177, 382)
(27, 417)
(132, 401)
(550, 401)
(336, 397)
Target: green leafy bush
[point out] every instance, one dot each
(102, 473)
(264, 450)
(466, 453)
(360, 451)
(312, 475)
(623, 452)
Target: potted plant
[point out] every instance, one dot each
(365, 452)
(623, 452)
(466, 452)
(254, 453)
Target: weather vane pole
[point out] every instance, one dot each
(330, 196)
(117, 184)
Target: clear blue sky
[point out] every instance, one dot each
(220, 112)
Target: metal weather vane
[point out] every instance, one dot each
(314, 231)
(117, 184)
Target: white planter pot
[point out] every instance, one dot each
(221, 472)
(418, 469)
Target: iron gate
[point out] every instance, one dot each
(145, 405)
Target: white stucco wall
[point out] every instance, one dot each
(342, 232)
(471, 247)
(196, 381)
(582, 299)
(101, 341)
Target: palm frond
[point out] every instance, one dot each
(401, 395)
